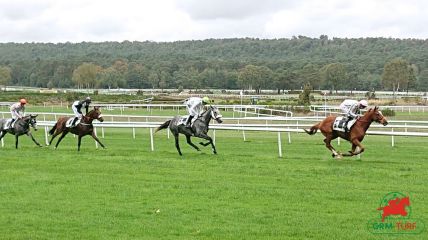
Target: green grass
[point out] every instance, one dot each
(244, 192)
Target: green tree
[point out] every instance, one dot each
(333, 75)
(255, 77)
(85, 75)
(423, 80)
(397, 73)
(5, 76)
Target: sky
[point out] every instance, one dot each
(175, 20)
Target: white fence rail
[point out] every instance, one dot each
(227, 127)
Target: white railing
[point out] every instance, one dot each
(215, 127)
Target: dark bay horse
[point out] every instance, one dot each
(199, 128)
(355, 135)
(21, 127)
(82, 129)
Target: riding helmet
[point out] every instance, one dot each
(205, 100)
(364, 103)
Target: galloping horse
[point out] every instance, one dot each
(199, 128)
(82, 129)
(21, 127)
(355, 135)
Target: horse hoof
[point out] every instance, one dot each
(338, 157)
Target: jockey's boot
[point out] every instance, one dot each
(189, 121)
(73, 124)
(346, 125)
(9, 126)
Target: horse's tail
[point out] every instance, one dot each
(313, 129)
(52, 131)
(163, 126)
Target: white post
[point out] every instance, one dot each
(151, 139)
(46, 135)
(289, 136)
(133, 132)
(214, 136)
(392, 138)
(168, 132)
(102, 132)
(243, 135)
(279, 145)
(338, 141)
(96, 143)
(2, 142)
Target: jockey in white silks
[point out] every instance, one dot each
(195, 107)
(17, 110)
(77, 109)
(352, 108)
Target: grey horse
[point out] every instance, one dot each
(199, 128)
(21, 127)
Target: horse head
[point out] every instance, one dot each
(378, 117)
(33, 121)
(215, 114)
(95, 114)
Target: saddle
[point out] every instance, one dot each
(9, 124)
(183, 120)
(69, 123)
(339, 124)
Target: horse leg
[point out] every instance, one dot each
(350, 153)
(359, 148)
(97, 139)
(79, 141)
(177, 144)
(60, 138)
(328, 145)
(57, 132)
(2, 133)
(16, 140)
(204, 144)
(191, 144)
(206, 137)
(32, 138)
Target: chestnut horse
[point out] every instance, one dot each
(355, 135)
(83, 128)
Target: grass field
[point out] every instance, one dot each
(244, 192)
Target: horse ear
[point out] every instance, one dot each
(376, 107)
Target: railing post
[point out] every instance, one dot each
(96, 143)
(151, 140)
(279, 145)
(46, 135)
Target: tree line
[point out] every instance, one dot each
(246, 63)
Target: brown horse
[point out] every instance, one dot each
(355, 135)
(82, 129)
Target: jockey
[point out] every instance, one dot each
(351, 108)
(17, 110)
(77, 109)
(195, 106)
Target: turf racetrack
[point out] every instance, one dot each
(244, 192)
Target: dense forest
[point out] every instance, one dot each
(322, 63)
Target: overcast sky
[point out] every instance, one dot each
(172, 20)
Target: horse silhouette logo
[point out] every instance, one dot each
(395, 206)
(395, 210)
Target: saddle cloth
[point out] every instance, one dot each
(8, 121)
(183, 120)
(339, 124)
(69, 122)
